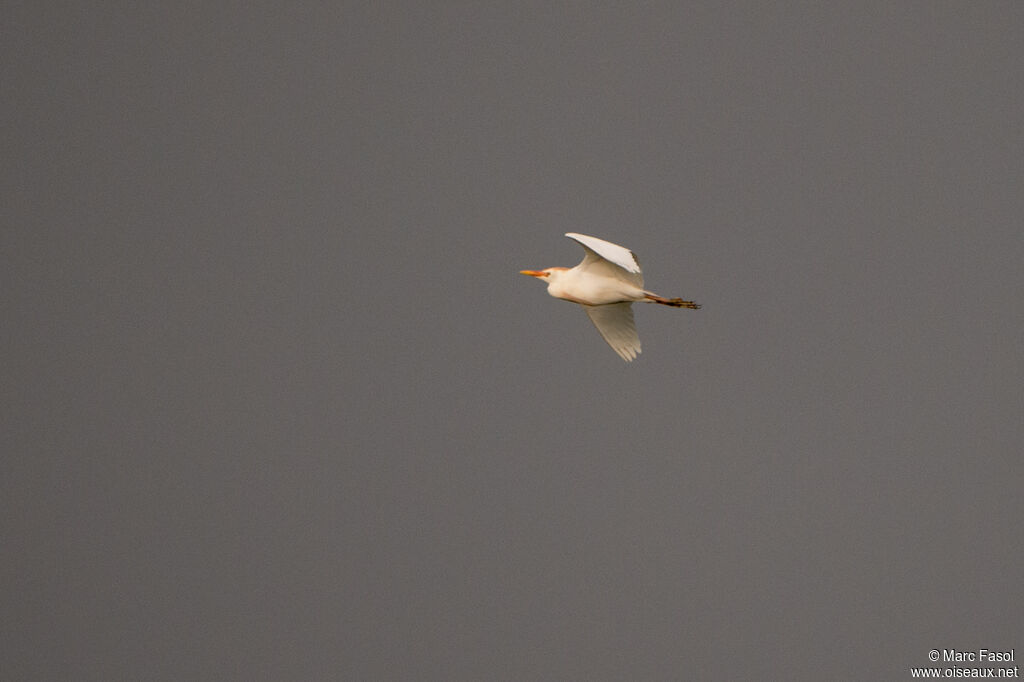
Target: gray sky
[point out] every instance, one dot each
(277, 405)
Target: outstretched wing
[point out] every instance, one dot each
(615, 322)
(609, 260)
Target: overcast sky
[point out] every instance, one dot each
(277, 405)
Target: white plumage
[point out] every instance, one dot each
(599, 251)
(606, 283)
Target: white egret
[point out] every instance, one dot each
(606, 283)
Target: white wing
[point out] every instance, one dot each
(610, 260)
(615, 322)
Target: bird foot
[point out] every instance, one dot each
(674, 302)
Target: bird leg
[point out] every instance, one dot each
(674, 302)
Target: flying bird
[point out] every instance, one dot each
(606, 283)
